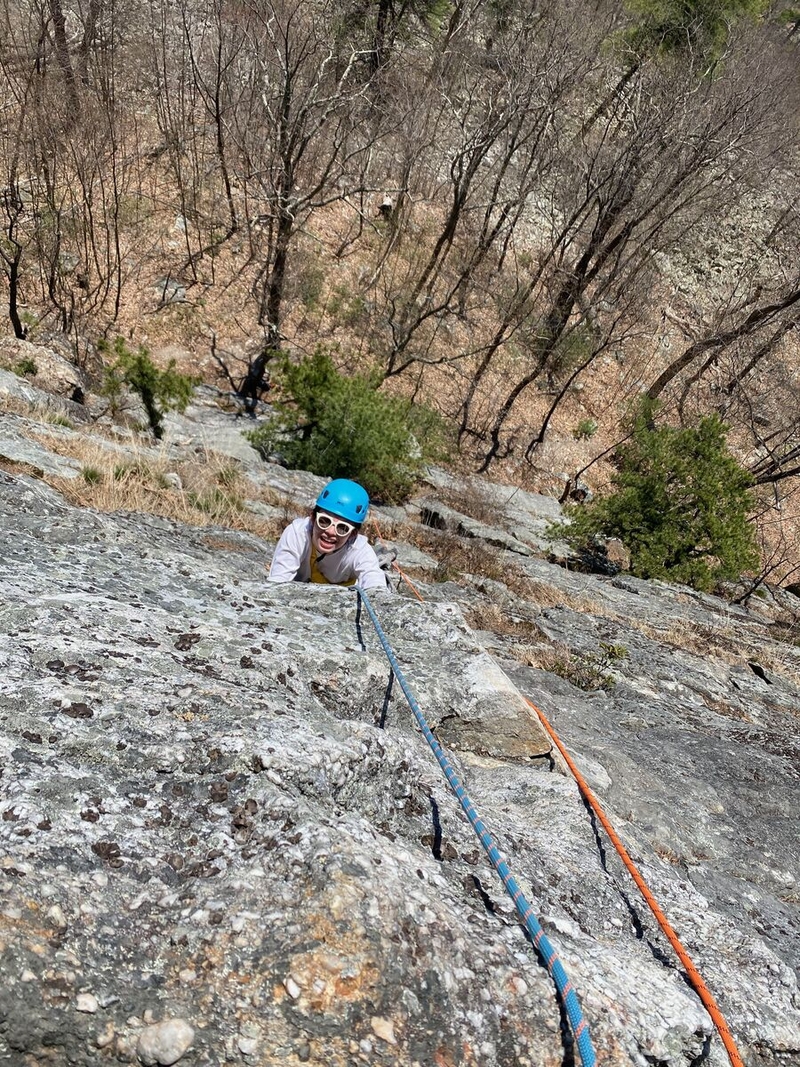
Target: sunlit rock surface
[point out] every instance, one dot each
(220, 827)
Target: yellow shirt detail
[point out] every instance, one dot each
(317, 575)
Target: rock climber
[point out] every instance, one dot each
(327, 547)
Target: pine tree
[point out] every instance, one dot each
(341, 426)
(160, 390)
(699, 28)
(680, 504)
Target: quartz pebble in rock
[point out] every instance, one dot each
(164, 1043)
(86, 1002)
(105, 1037)
(384, 1029)
(57, 917)
(173, 480)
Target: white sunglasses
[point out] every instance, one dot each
(324, 522)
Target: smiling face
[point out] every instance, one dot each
(329, 532)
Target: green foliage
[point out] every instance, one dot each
(698, 27)
(228, 476)
(310, 284)
(589, 670)
(379, 26)
(680, 504)
(572, 349)
(216, 502)
(612, 653)
(585, 429)
(346, 307)
(789, 18)
(160, 390)
(91, 475)
(26, 367)
(435, 12)
(341, 426)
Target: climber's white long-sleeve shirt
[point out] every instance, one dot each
(354, 563)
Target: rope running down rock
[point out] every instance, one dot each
(692, 973)
(525, 911)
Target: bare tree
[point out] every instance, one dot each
(58, 28)
(477, 143)
(649, 174)
(303, 137)
(11, 250)
(778, 316)
(19, 59)
(777, 522)
(68, 178)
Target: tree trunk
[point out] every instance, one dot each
(63, 58)
(13, 295)
(253, 382)
(753, 322)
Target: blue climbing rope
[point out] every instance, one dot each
(541, 942)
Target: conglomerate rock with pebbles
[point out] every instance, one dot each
(224, 840)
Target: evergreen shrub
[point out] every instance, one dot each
(160, 390)
(26, 368)
(680, 503)
(341, 426)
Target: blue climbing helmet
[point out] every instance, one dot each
(345, 499)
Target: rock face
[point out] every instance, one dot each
(53, 372)
(224, 840)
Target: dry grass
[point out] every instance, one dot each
(550, 596)
(13, 466)
(471, 501)
(457, 556)
(588, 671)
(787, 629)
(211, 492)
(730, 645)
(206, 490)
(724, 642)
(698, 639)
(492, 618)
(463, 556)
(669, 855)
(14, 405)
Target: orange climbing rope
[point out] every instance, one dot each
(405, 578)
(692, 972)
